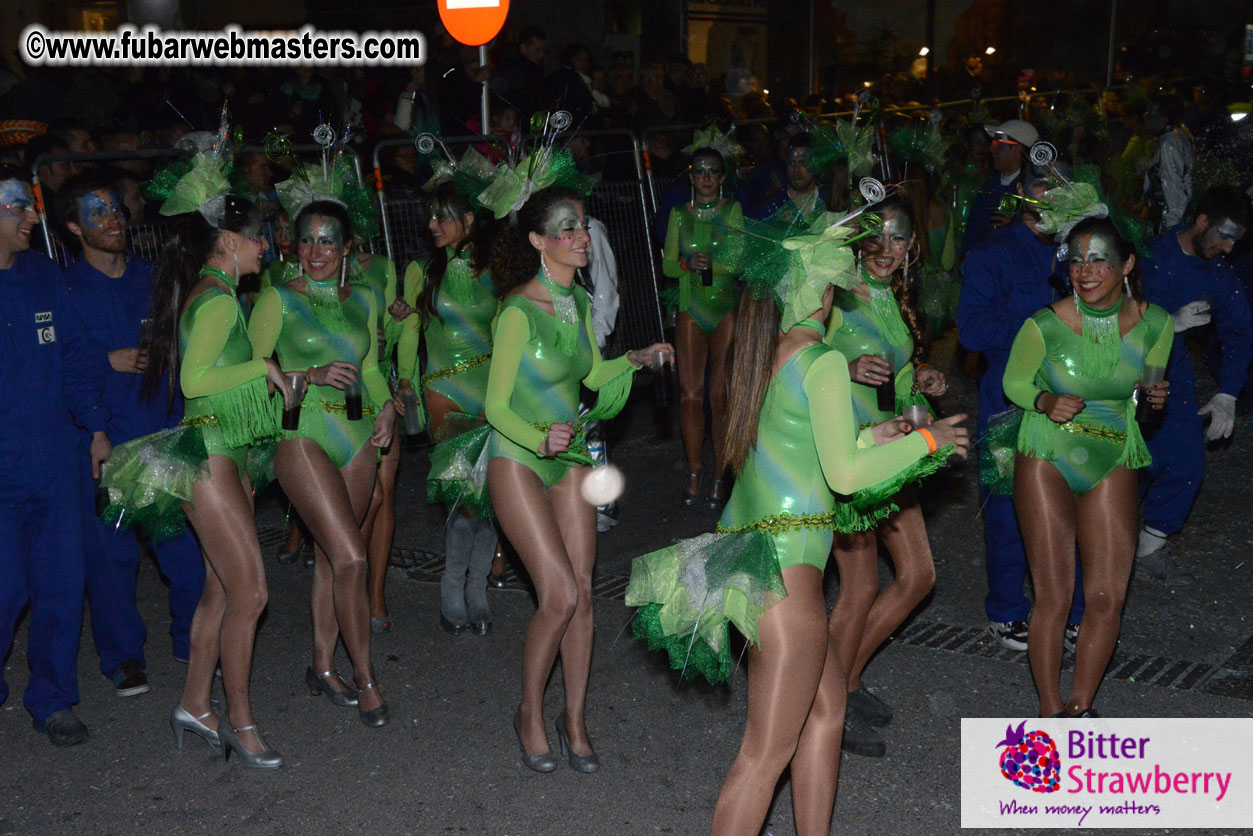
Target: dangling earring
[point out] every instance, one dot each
(235, 257)
(693, 186)
(1126, 283)
(343, 271)
(543, 266)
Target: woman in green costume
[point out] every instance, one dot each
(795, 443)
(543, 348)
(1073, 368)
(203, 468)
(328, 329)
(704, 238)
(454, 305)
(876, 317)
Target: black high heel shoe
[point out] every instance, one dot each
(579, 763)
(319, 683)
(691, 494)
(718, 494)
(375, 718)
(543, 762)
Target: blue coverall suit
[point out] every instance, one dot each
(978, 228)
(49, 368)
(112, 311)
(1005, 281)
(1172, 279)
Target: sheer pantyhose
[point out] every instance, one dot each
(332, 504)
(225, 623)
(786, 724)
(554, 533)
(693, 347)
(863, 617)
(1103, 521)
(379, 528)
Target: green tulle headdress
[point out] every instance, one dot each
(471, 174)
(545, 165)
(333, 179)
(727, 148)
(923, 146)
(794, 265)
(201, 183)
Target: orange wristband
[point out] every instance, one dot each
(926, 433)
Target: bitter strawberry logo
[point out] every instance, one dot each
(1030, 759)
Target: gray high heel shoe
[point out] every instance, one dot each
(267, 758)
(376, 717)
(579, 763)
(543, 762)
(319, 683)
(182, 721)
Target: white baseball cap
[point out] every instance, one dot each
(1024, 133)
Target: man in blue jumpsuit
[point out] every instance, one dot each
(51, 377)
(1005, 280)
(1010, 141)
(110, 291)
(1189, 277)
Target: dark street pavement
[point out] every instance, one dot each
(449, 763)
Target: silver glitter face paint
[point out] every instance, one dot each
(321, 231)
(1099, 250)
(1229, 230)
(897, 232)
(564, 220)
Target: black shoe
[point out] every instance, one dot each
(129, 679)
(481, 628)
(860, 738)
(63, 728)
(449, 627)
(865, 703)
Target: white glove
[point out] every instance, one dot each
(1191, 315)
(1222, 411)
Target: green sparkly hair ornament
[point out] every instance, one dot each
(201, 183)
(924, 147)
(544, 166)
(471, 174)
(794, 266)
(334, 180)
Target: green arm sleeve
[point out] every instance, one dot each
(411, 327)
(730, 255)
(602, 371)
(1025, 357)
(200, 376)
(391, 328)
(266, 323)
(1160, 352)
(847, 467)
(371, 375)
(670, 258)
(513, 330)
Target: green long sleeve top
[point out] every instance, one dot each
(531, 384)
(215, 348)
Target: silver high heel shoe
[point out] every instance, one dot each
(376, 717)
(267, 758)
(182, 721)
(579, 763)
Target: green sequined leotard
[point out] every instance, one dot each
(719, 236)
(807, 447)
(532, 384)
(857, 334)
(217, 365)
(458, 339)
(285, 321)
(1046, 356)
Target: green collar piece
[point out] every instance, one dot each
(458, 282)
(885, 311)
(566, 313)
(222, 275)
(328, 308)
(1102, 342)
(813, 325)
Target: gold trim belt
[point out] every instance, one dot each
(456, 368)
(340, 408)
(778, 523)
(200, 421)
(1094, 431)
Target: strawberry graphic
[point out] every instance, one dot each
(1030, 759)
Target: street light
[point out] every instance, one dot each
(990, 51)
(924, 51)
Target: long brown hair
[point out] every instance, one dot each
(752, 366)
(905, 287)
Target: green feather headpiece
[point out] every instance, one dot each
(334, 180)
(538, 170)
(201, 183)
